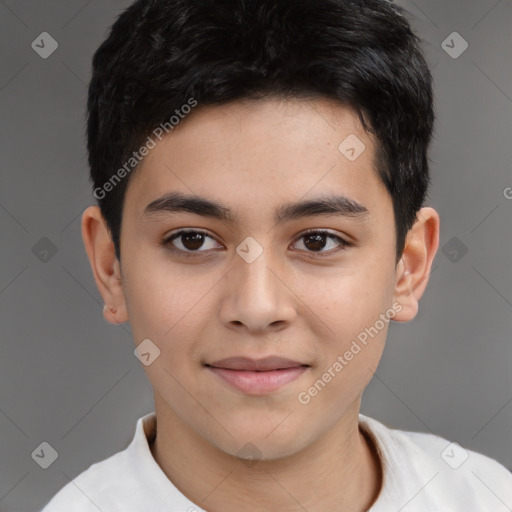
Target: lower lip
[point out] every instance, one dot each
(254, 383)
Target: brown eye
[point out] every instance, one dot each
(190, 241)
(317, 241)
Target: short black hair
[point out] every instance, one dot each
(162, 55)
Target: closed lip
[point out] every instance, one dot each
(248, 364)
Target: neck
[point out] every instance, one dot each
(342, 464)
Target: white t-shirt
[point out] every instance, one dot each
(421, 473)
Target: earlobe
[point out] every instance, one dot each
(414, 267)
(104, 264)
(110, 314)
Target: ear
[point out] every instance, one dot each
(105, 265)
(413, 269)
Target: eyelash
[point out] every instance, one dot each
(191, 254)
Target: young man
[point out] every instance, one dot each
(261, 169)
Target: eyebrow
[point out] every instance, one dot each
(175, 202)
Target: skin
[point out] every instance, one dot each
(291, 301)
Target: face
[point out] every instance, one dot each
(245, 282)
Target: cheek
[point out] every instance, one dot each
(161, 298)
(348, 301)
(356, 308)
(350, 353)
(164, 306)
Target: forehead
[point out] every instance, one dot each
(251, 153)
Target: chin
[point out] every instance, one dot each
(262, 442)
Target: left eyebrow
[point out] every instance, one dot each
(175, 202)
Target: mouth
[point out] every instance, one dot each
(257, 376)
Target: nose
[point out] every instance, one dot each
(256, 296)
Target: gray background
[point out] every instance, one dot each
(69, 378)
